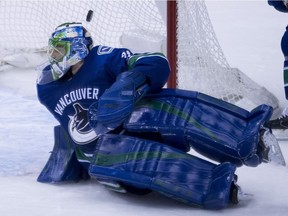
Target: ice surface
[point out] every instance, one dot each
(249, 33)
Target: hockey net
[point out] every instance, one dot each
(200, 64)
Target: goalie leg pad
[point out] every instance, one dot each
(218, 130)
(62, 164)
(151, 165)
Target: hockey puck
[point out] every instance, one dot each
(89, 15)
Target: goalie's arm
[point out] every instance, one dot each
(154, 66)
(146, 72)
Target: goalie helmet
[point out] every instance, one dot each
(69, 44)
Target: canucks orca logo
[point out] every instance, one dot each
(79, 128)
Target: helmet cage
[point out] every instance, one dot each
(57, 50)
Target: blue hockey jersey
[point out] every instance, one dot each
(69, 98)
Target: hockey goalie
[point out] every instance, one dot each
(117, 125)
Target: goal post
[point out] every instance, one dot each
(198, 62)
(181, 29)
(172, 42)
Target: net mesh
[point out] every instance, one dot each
(139, 25)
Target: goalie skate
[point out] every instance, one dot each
(237, 195)
(271, 150)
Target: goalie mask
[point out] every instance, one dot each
(68, 45)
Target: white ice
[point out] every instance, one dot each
(249, 33)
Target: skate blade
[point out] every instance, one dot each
(275, 154)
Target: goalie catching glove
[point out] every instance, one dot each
(117, 102)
